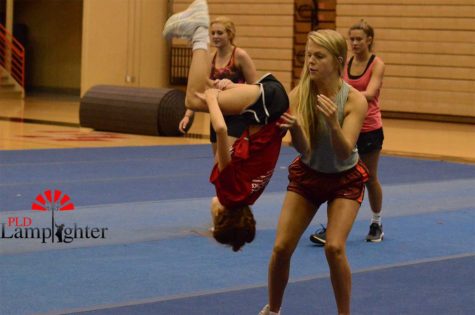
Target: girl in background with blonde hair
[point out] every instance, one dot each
(325, 119)
(229, 62)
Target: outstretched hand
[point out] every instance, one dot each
(288, 121)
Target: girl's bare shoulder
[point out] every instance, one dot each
(356, 98)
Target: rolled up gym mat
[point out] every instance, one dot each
(146, 111)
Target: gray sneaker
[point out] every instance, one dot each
(183, 24)
(375, 233)
(320, 236)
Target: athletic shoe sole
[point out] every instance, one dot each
(197, 12)
(378, 240)
(316, 240)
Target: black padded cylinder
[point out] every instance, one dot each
(145, 111)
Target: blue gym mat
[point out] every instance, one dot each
(154, 202)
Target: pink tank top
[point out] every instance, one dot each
(373, 119)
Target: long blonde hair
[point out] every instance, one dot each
(307, 112)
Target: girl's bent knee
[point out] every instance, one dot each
(281, 253)
(334, 249)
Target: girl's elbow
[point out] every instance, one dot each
(193, 103)
(345, 154)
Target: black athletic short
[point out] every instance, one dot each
(370, 141)
(272, 103)
(236, 125)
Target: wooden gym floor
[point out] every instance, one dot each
(46, 121)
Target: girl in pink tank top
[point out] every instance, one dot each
(361, 82)
(364, 71)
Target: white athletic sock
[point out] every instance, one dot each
(200, 38)
(376, 218)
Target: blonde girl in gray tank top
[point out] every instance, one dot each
(325, 119)
(322, 158)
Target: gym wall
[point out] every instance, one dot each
(428, 47)
(122, 43)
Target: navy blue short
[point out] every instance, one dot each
(370, 141)
(272, 103)
(236, 125)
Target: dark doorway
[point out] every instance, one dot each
(51, 31)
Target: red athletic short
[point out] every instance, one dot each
(319, 187)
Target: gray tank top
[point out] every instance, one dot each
(323, 158)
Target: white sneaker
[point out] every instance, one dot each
(183, 24)
(266, 311)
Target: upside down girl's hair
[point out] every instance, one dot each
(235, 227)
